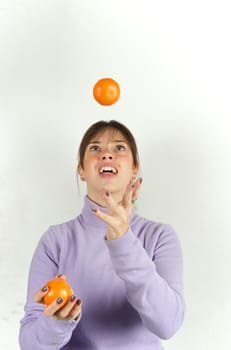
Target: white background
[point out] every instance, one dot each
(172, 61)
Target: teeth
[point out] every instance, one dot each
(107, 169)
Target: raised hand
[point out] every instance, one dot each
(118, 215)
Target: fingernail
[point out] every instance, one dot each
(79, 301)
(59, 275)
(94, 210)
(107, 193)
(72, 298)
(44, 289)
(59, 300)
(141, 180)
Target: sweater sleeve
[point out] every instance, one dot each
(37, 331)
(153, 283)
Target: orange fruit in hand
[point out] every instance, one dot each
(106, 91)
(58, 288)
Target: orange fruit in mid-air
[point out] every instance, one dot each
(58, 288)
(106, 91)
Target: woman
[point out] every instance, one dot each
(125, 269)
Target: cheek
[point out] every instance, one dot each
(129, 171)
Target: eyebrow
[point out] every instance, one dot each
(114, 141)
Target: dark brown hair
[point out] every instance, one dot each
(101, 126)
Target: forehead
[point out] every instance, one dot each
(108, 135)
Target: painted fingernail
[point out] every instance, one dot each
(59, 300)
(44, 289)
(107, 193)
(72, 298)
(141, 180)
(79, 301)
(94, 210)
(59, 275)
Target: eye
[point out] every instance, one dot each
(94, 148)
(120, 148)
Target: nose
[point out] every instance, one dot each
(107, 155)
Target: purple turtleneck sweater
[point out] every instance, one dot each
(131, 287)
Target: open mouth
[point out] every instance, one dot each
(108, 170)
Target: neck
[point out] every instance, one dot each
(99, 200)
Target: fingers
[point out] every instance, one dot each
(132, 191)
(136, 189)
(118, 215)
(58, 309)
(69, 311)
(127, 197)
(130, 196)
(40, 294)
(102, 216)
(60, 275)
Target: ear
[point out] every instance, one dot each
(81, 172)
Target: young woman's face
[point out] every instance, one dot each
(108, 165)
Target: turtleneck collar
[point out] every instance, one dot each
(90, 219)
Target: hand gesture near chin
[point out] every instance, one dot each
(118, 215)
